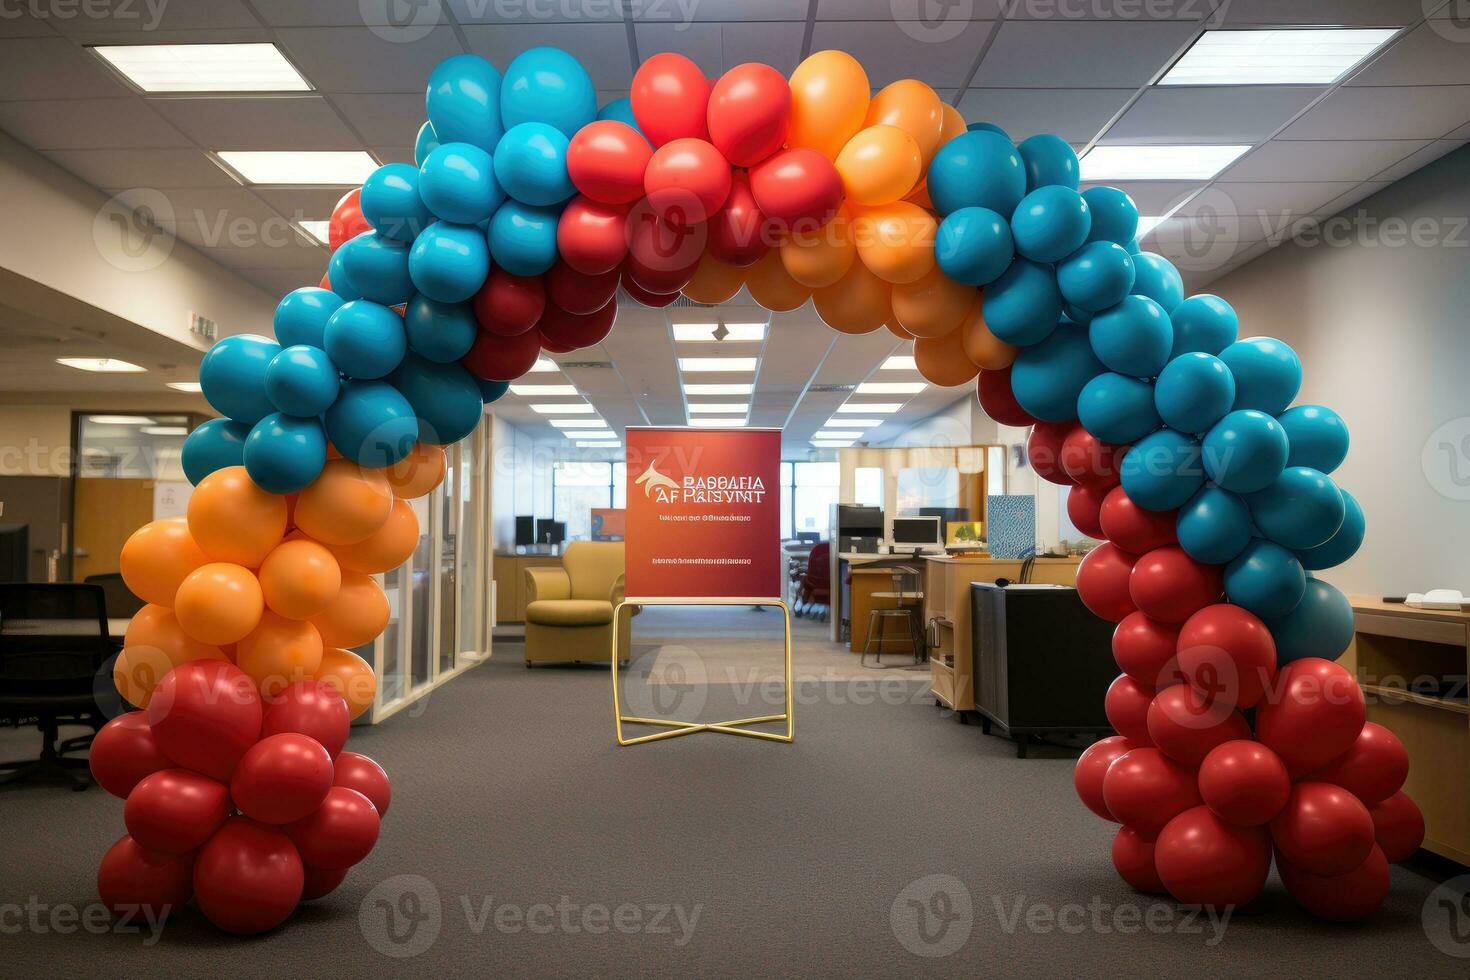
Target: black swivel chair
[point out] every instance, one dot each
(121, 603)
(53, 643)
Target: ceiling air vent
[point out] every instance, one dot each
(586, 365)
(685, 303)
(814, 389)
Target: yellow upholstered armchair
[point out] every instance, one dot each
(569, 617)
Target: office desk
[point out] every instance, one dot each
(116, 628)
(841, 605)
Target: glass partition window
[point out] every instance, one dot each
(920, 487)
(868, 486)
(787, 531)
(576, 488)
(141, 446)
(813, 492)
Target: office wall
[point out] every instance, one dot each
(35, 428)
(520, 474)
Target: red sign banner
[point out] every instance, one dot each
(704, 513)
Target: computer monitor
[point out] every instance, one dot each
(915, 533)
(808, 537)
(15, 541)
(549, 531)
(525, 530)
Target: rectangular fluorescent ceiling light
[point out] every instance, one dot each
(727, 389)
(164, 430)
(578, 423)
(708, 333)
(570, 408)
(1147, 224)
(542, 365)
(899, 363)
(1290, 56)
(717, 423)
(1159, 162)
(836, 434)
(598, 444)
(716, 364)
(717, 408)
(192, 387)
(317, 231)
(119, 419)
(101, 365)
(890, 388)
(832, 443)
(861, 423)
(877, 408)
(342, 168)
(204, 67)
(543, 391)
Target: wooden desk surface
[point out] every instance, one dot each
(1375, 604)
(961, 560)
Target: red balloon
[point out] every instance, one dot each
(1244, 782)
(1340, 898)
(575, 332)
(132, 880)
(1145, 789)
(749, 113)
(1133, 859)
(1169, 585)
(1126, 705)
(1186, 725)
(797, 187)
(591, 237)
(1044, 451)
(662, 257)
(1312, 715)
(606, 160)
(686, 181)
(248, 877)
(340, 832)
(320, 882)
(496, 358)
(1085, 458)
(1228, 653)
(1202, 860)
(311, 708)
(174, 811)
(1398, 826)
(1083, 503)
(508, 305)
(1102, 582)
(738, 233)
(669, 98)
(347, 219)
(647, 297)
(1323, 829)
(1373, 769)
(577, 292)
(1092, 766)
(1144, 650)
(356, 771)
(993, 388)
(123, 752)
(1133, 528)
(204, 715)
(282, 778)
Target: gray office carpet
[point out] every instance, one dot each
(889, 840)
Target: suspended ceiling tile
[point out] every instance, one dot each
(777, 45)
(79, 124)
(909, 10)
(683, 11)
(539, 11)
(700, 43)
(1318, 160)
(1153, 197)
(1434, 53)
(285, 123)
(1249, 198)
(54, 68)
(344, 59)
(144, 18)
(143, 168)
(1211, 114)
(383, 118)
(1395, 113)
(1420, 158)
(1327, 13)
(602, 48)
(1109, 10)
(1076, 115)
(1081, 54)
(940, 55)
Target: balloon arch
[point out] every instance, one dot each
(1238, 736)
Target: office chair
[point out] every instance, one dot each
(53, 643)
(907, 607)
(816, 585)
(121, 603)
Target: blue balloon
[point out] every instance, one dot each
(214, 445)
(531, 164)
(391, 204)
(986, 127)
(548, 85)
(302, 381)
(1268, 374)
(620, 110)
(1204, 323)
(491, 390)
(1024, 305)
(1132, 337)
(377, 268)
(425, 143)
(1162, 470)
(1321, 625)
(1301, 509)
(977, 169)
(1245, 451)
(1342, 545)
(283, 453)
(458, 183)
(1194, 391)
(1114, 216)
(302, 315)
(523, 239)
(439, 332)
(463, 101)
(1050, 161)
(1318, 437)
(337, 276)
(1096, 276)
(1214, 526)
(1132, 247)
(365, 339)
(1050, 223)
(1156, 278)
(449, 262)
(445, 398)
(372, 424)
(232, 376)
(1047, 378)
(1117, 408)
(1076, 315)
(974, 246)
(1265, 579)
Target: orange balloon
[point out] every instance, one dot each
(279, 652)
(158, 627)
(234, 520)
(819, 257)
(351, 676)
(896, 241)
(771, 285)
(942, 360)
(856, 303)
(386, 548)
(879, 165)
(920, 196)
(829, 98)
(157, 557)
(358, 614)
(417, 473)
(345, 503)
(933, 305)
(897, 330)
(914, 108)
(714, 281)
(300, 578)
(982, 347)
(954, 123)
(219, 603)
